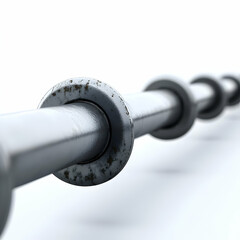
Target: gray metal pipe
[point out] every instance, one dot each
(46, 140)
(43, 141)
(203, 95)
(84, 131)
(151, 110)
(229, 86)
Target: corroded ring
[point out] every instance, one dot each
(119, 149)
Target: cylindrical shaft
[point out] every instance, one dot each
(151, 110)
(203, 95)
(230, 86)
(46, 140)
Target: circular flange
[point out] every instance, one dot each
(5, 189)
(220, 97)
(188, 111)
(120, 145)
(235, 99)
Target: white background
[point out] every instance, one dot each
(183, 189)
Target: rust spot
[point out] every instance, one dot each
(79, 175)
(110, 160)
(86, 86)
(71, 81)
(78, 87)
(67, 89)
(127, 112)
(99, 83)
(90, 177)
(114, 149)
(66, 174)
(54, 94)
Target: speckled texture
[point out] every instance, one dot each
(121, 141)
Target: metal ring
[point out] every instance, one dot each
(220, 97)
(119, 149)
(5, 188)
(236, 98)
(189, 111)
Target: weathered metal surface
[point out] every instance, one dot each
(84, 131)
(43, 141)
(120, 145)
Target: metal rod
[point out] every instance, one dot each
(203, 95)
(161, 108)
(43, 141)
(85, 130)
(229, 86)
(46, 140)
(151, 110)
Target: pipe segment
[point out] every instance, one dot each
(84, 130)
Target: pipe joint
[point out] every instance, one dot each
(220, 100)
(235, 99)
(188, 107)
(120, 144)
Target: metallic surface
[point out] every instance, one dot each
(231, 85)
(188, 107)
(153, 109)
(203, 95)
(5, 188)
(85, 130)
(220, 97)
(45, 140)
(72, 135)
(120, 144)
